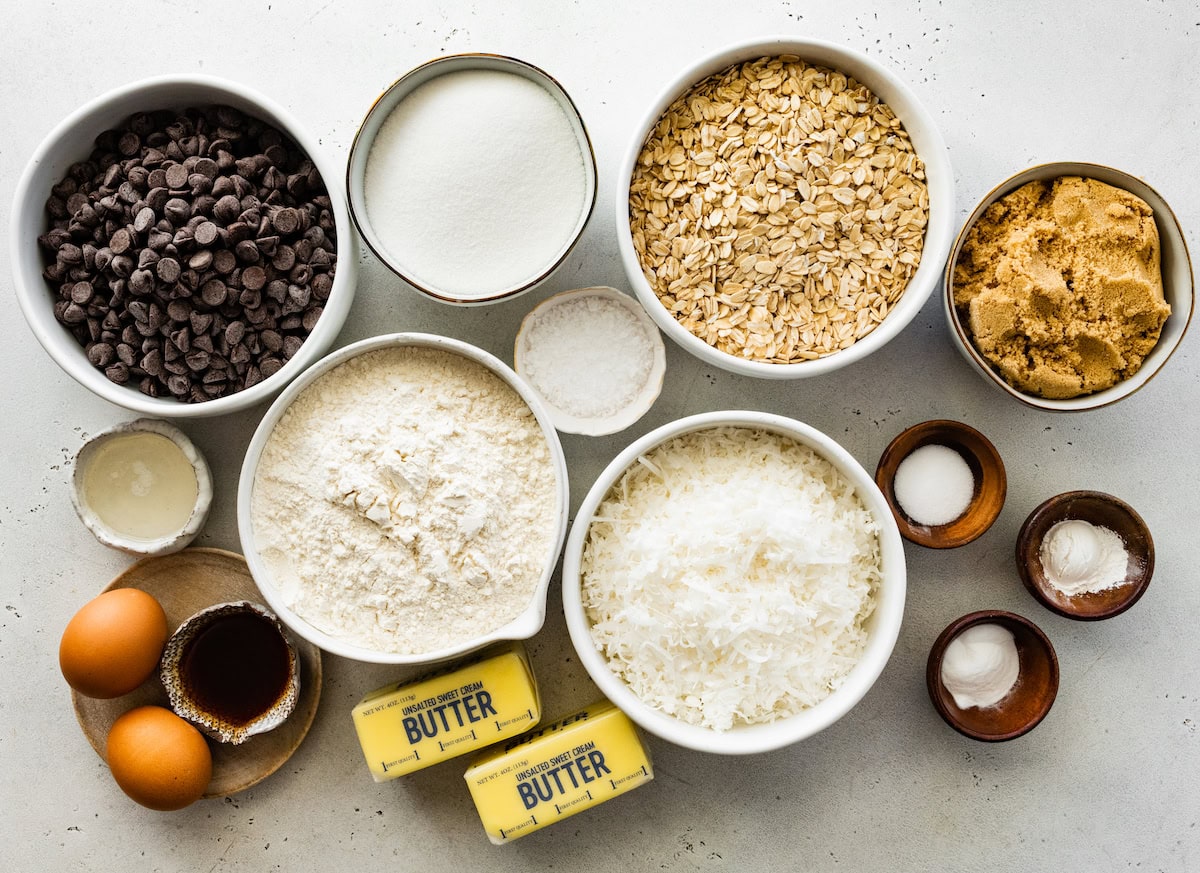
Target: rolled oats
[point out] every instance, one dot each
(778, 210)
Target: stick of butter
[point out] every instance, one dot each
(462, 708)
(556, 771)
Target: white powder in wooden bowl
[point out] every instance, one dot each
(406, 502)
(475, 183)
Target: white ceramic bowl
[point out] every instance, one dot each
(926, 139)
(524, 625)
(72, 141)
(1178, 285)
(115, 539)
(883, 625)
(639, 404)
(360, 151)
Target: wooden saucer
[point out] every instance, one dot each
(184, 583)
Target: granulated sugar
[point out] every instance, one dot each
(475, 182)
(406, 502)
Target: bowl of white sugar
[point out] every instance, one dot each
(472, 177)
(405, 501)
(734, 581)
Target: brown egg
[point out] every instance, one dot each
(158, 759)
(113, 643)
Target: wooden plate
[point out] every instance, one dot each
(184, 583)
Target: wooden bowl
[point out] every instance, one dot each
(991, 482)
(1099, 509)
(1024, 706)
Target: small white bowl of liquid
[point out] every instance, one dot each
(142, 487)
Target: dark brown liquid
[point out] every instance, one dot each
(237, 667)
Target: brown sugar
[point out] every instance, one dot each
(1059, 287)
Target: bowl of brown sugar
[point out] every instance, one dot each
(1069, 286)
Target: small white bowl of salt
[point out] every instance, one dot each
(472, 177)
(594, 357)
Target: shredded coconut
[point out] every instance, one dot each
(728, 575)
(406, 501)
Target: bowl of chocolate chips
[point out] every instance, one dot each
(178, 247)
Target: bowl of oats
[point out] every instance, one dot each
(785, 207)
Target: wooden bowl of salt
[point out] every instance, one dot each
(944, 481)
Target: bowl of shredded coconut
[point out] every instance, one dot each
(405, 501)
(734, 581)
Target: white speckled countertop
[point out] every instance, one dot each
(1107, 782)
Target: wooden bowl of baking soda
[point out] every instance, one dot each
(992, 675)
(944, 481)
(1085, 555)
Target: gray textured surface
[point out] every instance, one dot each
(1107, 782)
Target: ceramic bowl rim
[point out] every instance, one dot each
(884, 622)
(939, 233)
(525, 625)
(34, 296)
(360, 148)
(1161, 353)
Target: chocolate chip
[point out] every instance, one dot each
(206, 233)
(284, 259)
(200, 321)
(285, 221)
(82, 292)
(168, 270)
(247, 252)
(177, 210)
(101, 355)
(213, 292)
(224, 261)
(141, 282)
(152, 363)
(129, 143)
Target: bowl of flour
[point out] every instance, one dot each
(405, 501)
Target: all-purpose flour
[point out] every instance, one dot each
(406, 501)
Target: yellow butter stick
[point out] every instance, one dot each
(555, 771)
(412, 725)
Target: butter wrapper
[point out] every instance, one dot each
(437, 716)
(555, 771)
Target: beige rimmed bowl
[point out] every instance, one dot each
(102, 531)
(364, 139)
(1178, 285)
(73, 140)
(926, 139)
